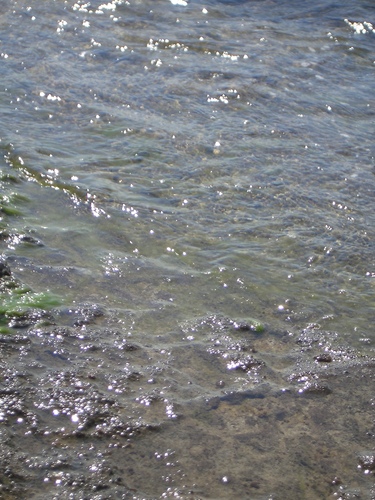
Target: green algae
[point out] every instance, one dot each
(44, 179)
(20, 306)
(257, 326)
(20, 301)
(8, 204)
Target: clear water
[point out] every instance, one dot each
(187, 167)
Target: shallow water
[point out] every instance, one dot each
(194, 186)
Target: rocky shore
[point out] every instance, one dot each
(84, 412)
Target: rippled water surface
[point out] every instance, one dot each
(187, 230)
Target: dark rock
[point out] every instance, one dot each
(241, 326)
(27, 238)
(14, 339)
(87, 314)
(238, 397)
(31, 317)
(243, 363)
(4, 269)
(317, 389)
(323, 358)
(134, 376)
(367, 462)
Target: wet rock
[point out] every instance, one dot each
(243, 363)
(31, 317)
(87, 409)
(312, 336)
(12, 406)
(87, 314)
(129, 347)
(242, 326)
(14, 339)
(222, 324)
(323, 358)
(17, 238)
(4, 268)
(30, 240)
(237, 398)
(336, 481)
(103, 426)
(134, 376)
(4, 234)
(314, 388)
(367, 462)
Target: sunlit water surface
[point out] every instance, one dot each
(187, 170)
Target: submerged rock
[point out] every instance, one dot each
(86, 314)
(367, 462)
(323, 358)
(31, 317)
(4, 268)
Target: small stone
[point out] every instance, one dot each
(4, 269)
(367, 462)
(323, 358)
(241, 326)
(315, 388)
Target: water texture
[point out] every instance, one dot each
(187, 239)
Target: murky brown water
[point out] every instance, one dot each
(187, 250)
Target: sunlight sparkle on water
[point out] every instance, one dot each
(183, 3)
(361, 27)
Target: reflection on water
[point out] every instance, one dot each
(195, 182)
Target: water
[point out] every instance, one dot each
(185, 172)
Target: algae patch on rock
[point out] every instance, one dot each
(20, 307)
